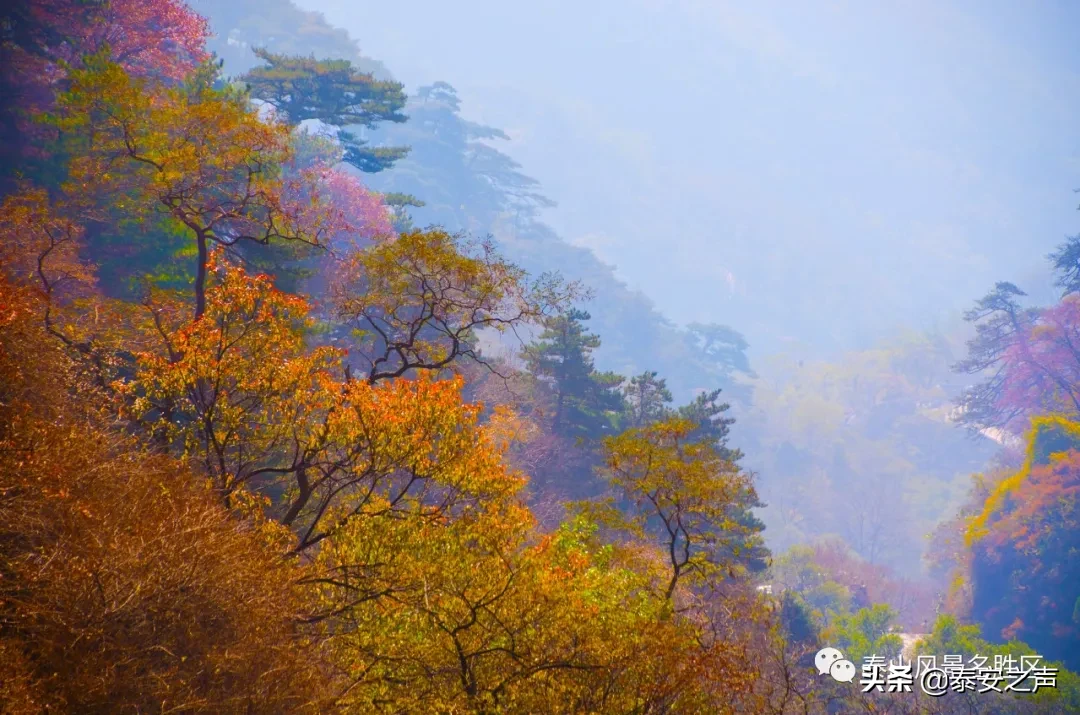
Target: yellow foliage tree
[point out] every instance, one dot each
(416, 303)
(200, 156)
(684, 494)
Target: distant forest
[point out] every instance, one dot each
(303, 408)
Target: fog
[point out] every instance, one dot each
(815, 176)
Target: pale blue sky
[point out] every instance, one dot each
(803, 171)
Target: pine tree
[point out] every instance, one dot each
(647, 398)
(586, 401)
(335, 93)
(1066, 260)
(707, 412)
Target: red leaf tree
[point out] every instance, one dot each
(163, 39)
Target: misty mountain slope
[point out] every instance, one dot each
(813, 172)
(469, 185)
(864, 448)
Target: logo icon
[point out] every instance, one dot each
(832, 661)
(843, 671)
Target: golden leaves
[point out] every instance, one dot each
(683, 493)
(419, 300)
(40, 247)
(233, 387)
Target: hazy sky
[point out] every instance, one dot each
(789, 168)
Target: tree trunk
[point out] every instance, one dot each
(200, 278)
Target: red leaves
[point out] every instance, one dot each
(1028, 518)
(151, 38)
(360, 212)
(162, 39)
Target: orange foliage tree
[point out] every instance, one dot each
(240, 394)
(41, 250)
(124, 586)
